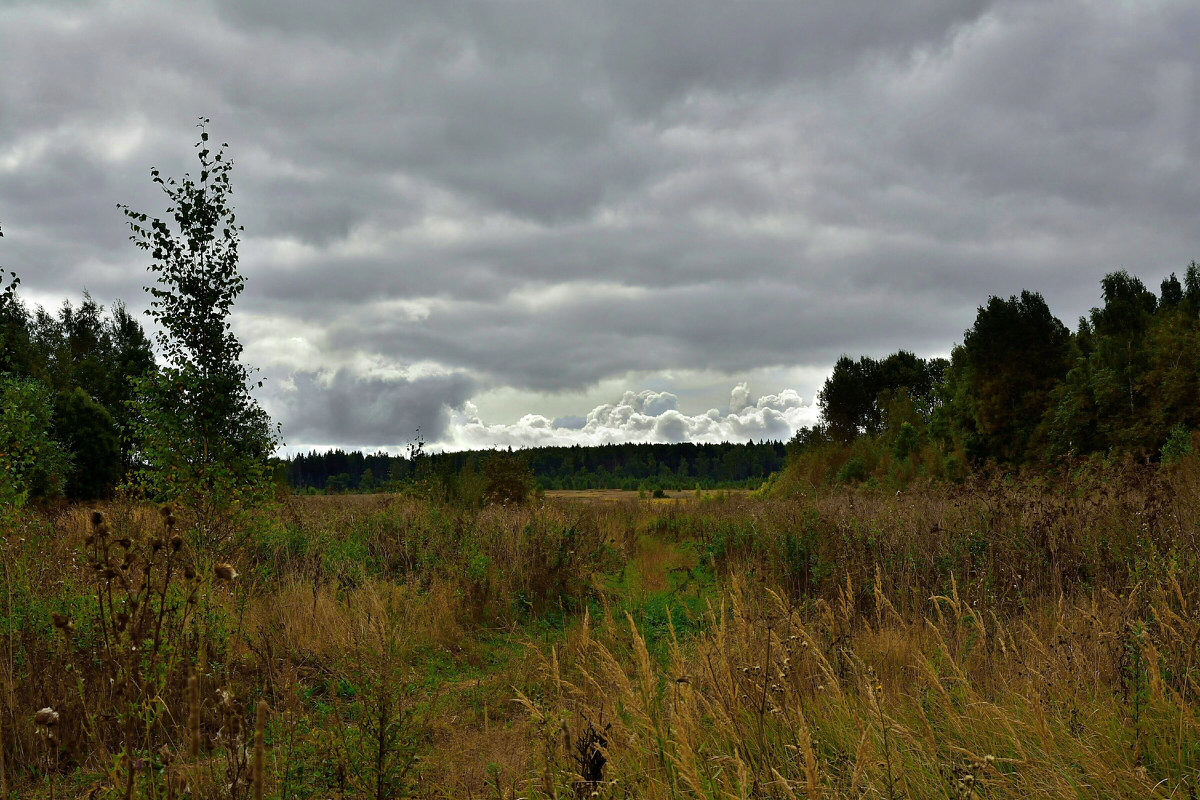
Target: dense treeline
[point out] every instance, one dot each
(1021, 389)
(85, 406)
(67, 379)
(612, 466)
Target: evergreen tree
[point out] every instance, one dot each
(1170, 293)
(87, 432)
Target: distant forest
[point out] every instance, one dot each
(612, 466)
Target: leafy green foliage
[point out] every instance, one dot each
(89, 434)
(1020, 389)
(199, 428)
(856, 397)
(1178, 445)
(14, 327)
(88, 361)
(509, 481)
(32, 463)
(1000, 378)
(102, 354)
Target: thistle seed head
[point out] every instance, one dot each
(46, 717)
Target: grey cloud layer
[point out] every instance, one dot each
(543, 195)
(346, 409)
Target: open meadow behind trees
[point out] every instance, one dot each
(1008, 637)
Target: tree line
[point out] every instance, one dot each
(1021, 389)
(69, 375)
(612, 466)
(88, 406)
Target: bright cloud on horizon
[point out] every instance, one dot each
(645, 416)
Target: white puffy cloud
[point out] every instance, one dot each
(645, 416)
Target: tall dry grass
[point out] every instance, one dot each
(1001, 638)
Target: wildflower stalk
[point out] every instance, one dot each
(259, 755)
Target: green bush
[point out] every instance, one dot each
(34, 464)
(87, 430)
(1178, 445)
(853, 471)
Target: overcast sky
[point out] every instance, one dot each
(515, 222)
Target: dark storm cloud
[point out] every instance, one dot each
(545, 195)
(564, 343)
(343, 408)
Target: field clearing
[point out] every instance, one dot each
(621, 495)
(985, 640)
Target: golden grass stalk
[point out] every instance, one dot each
(260, 726)
(194, 715)
(3, 771)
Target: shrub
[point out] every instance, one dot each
(33, 463)
(852, 471)
(1178, 445)
(508, 480)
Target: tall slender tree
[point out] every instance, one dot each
(199, 426)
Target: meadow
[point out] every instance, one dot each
(1003, 637)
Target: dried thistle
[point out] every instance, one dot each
(46, 718)
(225, 572)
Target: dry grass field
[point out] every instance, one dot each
(627, 495)
(999, 639)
